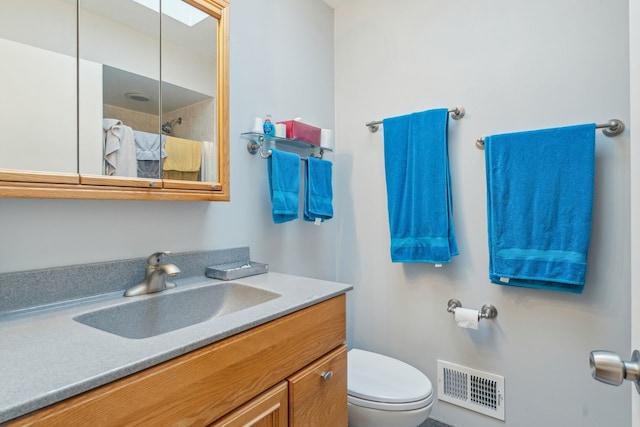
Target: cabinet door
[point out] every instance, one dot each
(267, 410)
(318, 393)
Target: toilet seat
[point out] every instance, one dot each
(381, 382)
(372, 404)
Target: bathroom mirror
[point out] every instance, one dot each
(38, 86)
(145, 108)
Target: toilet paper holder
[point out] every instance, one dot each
(487, 311)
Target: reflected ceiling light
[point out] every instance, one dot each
(176, 9)
(136, 96)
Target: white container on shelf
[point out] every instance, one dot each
(327, 140)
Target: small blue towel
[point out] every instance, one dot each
(418, 187)
(539, 202)
(318, 192)
(284, 184)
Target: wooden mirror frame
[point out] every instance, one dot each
(51, 185)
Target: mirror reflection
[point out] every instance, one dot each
(189, 84)
(38, 86)
(134, 95)
(157, 74)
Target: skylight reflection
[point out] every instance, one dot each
(176, 9)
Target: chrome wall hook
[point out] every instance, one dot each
(254, 147)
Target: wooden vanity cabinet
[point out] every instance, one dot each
(239, 381)
(318, 393)
(270, 409)
(315, 396)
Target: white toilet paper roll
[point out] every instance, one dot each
(326, 139)
(467, 318)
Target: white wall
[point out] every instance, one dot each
(51, 145)
(38, 76)
(281, 62)
(91, 108)
(513, 66)
(634, 50)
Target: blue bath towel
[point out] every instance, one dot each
(418, 187)
(318, 192)
(284, 184)
(539, 202)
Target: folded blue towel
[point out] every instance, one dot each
(284, 184)
(539, 201)
(318, 192)
(418, 187)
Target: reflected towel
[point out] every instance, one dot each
(183, 160)
(283, 171)
(318, 192)
(149, 150)
(209, 162)
(119, 149)
(149, 146)
(539, 203)
(418, 187)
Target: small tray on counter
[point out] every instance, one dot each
(236, 270)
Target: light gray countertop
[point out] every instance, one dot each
(47, 356)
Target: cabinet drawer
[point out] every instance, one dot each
(318, 393)
(267, 410)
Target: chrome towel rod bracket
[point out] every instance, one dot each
(456, 113)
(256, 145)
(613, 127)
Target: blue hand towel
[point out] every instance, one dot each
(418, 187)
(539, 202)
(284, 184)
(318, 192)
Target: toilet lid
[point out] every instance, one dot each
(378, 378)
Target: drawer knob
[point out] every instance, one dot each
(326, 375)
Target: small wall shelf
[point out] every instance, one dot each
(257, 142)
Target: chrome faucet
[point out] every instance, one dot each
(155, 277)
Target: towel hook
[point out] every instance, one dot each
(256, 147)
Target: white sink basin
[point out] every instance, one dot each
(165, 312)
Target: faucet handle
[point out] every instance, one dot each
(154, 259)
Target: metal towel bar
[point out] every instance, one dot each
(612, 128)
(456, 113)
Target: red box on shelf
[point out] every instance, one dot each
(302, 132)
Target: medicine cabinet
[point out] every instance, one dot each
(100, 98)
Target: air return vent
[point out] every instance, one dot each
(472, 389)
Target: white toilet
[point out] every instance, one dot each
(385, 392)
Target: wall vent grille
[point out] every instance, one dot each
(472, 389)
